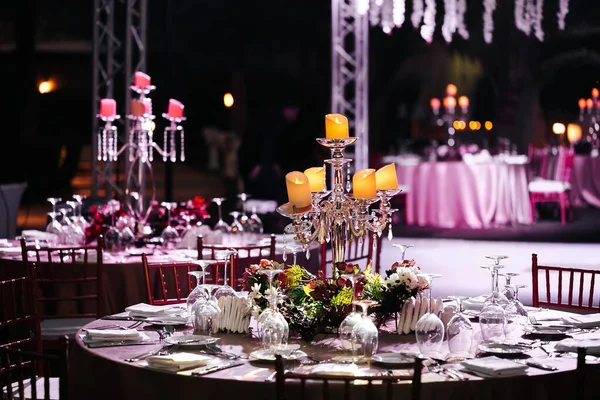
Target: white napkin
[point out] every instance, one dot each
(585, 321)
(592, 346)
(112, 335)
(409, 307)
(474, 303)
(335, 369)
(178, 361)
(419, 302)
(403, 316)
(147, 310)
(235, 314)
(494, 366)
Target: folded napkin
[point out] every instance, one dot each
(112, 335)
(474, 303)
(408, 309)
(178, 361)
(420, 305)
(235, 314)
(335, 369)
(592, 346)
(494, 366)
(585, 321)
(147, 310)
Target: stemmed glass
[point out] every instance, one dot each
(274, 329)
(516, 314)
(496, 258)
(429, 330)
(220, 226)
(54, 201)
(169, 235)
(255, 224)
(244, 220)
(78, 218)
(492, 319)
(225, 290)
(365, 336)
(347, 325)
(460, 332)
(236, 229)
(54, 227)
(74, 234)
(203, 308)
(294, 248)
(509, 290)
(201, 290)
(403, 248)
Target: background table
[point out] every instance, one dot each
(454, 194)
(91, 368)
(585, 186)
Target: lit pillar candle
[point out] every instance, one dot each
(364, 184)
(108, 107)
(141, 79)
(336, 126)
(316, 178)
(298, 190)
(175, 108)
(139, 108)
(386, 177)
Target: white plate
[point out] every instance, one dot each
(139, 252)
(548, 330)
(394, 359)
(292, 352)
(503, 348)
(166, 321)
(191, 340)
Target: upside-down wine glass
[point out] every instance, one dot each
(236, 231)
(347, 325)
(201, 289)
(403, 248)
(365, 336)
(225, 256)
(205, 308)
(55, 228)
(79, 219)
(220, 226)
(169, 234)
(274, 329)
(429, 330)
(244, 220)
(492, 319)
(509, 290)
(460, 332)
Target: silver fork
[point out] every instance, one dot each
(163, 351)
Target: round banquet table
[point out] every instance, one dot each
(585, 184)
(454, 194)
(102, 373)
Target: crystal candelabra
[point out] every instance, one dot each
(336, 216)
(140, 146)
(451, 117)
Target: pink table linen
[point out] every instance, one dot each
(585, 186)
(459, 195)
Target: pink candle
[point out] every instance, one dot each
(139, 108)
(108, 107)
(175, 108)
(141, 80)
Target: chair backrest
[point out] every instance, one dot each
(19, 321)
(68, 279)
(168, 283)
(569, 288)
(338, 387)
(538, 161)
(356, 250)
(564, 164)
(20, 370)
(246, 255)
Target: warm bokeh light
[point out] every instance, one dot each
(46, 87)
(573, 132)
(488, 125)
(435, 103)
(449, 102)
(595, 93)
(472, 125)
(451, 90)
(456, 125)
(463, 101)
(228, 100)
(581, 103)
(589, 103)
(558, 128)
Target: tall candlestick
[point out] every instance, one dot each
(336, 126)
(108, 107)
(364, 184)
(386, 177)
(298, 190)
(316, 178)
(175, 108)
(141, 79)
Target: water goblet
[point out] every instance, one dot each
(72, 234)
(255, 224)
(509, 290)
(460, 332)
(224, 256)
(496, 258)
(348, 323)
(220, 226)
(199, 291)
(244, 220)
(236, 229)
(403, 248)
(429, 330)
(79, 219)
(365, 336)
(55, 228)
(54, 201)
(204, 311)
(496, 295)
(169, 234)
(271, 294)
(274, 329)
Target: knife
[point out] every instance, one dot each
(98, 345)
(215, 368)
(122, 318)
(535, 364)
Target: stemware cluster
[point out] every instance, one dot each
(243, 229)
(66, 223)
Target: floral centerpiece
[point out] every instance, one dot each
(103, 218)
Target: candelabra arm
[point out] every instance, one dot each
(162, 152)
(123, 148)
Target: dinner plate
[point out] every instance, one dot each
(394, 359)
(292, 352)
(166, 321)
(138, 252)
(190, 340)
(503, 348)
(555, 330)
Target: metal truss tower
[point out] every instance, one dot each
(117, 54)
(350, 71)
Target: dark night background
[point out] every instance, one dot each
(269, 51)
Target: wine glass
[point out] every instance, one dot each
(496, 258)
(244, 220)
(72, 234)
(270, 273)
(54, 227)
(201, 289)
(460, 332)
(54, 201)
(365, 336)
(347, 325)
(236, 229)
(496, 296)
(274, 329)
(403, 248)
(516, 314)
(220, 226)
(509, 290)
(429, 330)
(225, 290)
(79, 219)
(492, 319)
(204, 311)
(169, 235)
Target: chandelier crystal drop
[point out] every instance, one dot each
(450, 20)
(399, 10)
(428, 27)
(417, 13)
(488, 20)
(563, 10)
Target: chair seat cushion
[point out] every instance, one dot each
(40, 392)
(55, 328)
(548, 186)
